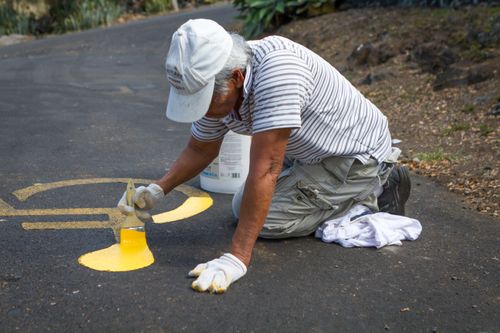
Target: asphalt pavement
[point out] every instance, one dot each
(91, 106)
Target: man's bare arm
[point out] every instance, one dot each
(266, 161)
(193, 159)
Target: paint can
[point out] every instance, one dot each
(228, 171)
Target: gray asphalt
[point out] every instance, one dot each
(91, 105)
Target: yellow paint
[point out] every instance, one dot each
(199, 200)
(66, 225)
(4, 205)
(132, 251)
(190, 207)
(25, 193)
(130, 254)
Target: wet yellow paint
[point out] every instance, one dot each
(130, 254)
(132, 251)
(190, 207)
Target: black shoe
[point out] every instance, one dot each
(396, 191)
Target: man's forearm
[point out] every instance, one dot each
(254, 208)
(193, 159)
(266, 155)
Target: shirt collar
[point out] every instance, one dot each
(248, 81)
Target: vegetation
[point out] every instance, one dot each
(264, 15)
(157, 6)
(12, 22)
(59, 16)
(436, 155)
(89, 14)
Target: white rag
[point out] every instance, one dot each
(362, 228)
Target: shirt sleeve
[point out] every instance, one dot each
(208, 129)
(283, 84)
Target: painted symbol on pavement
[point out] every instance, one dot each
(197, 202)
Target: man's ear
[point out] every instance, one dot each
(238, 78)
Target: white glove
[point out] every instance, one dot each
(145, 198)
(216, 275)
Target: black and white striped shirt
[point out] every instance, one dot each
(289, 86)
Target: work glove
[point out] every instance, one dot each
(216, 275)
(144, 199)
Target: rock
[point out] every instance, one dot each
(485, 38)
(452, 77)
(495, 110)
(370, 54)
(480, 100)
(456, 76)
(433, 57)
(480, 73)
(374, 77)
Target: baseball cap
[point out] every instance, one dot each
(198, 51)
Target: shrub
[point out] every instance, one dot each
(156, 6)
(12, 22)
(263, 15)
(86, 14)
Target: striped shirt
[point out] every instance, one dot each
(289, 86)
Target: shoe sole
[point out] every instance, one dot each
(404, 186)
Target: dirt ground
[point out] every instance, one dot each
(434, 74)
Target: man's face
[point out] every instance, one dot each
(223, 105)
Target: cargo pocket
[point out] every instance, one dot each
(313, 193)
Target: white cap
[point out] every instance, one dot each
(198, 51)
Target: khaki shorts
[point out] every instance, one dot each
(308, 195)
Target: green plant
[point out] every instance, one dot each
(12, 22)
(456, 127)
(484, 130)
(468, 108)
(156, 6)
(88, 14)
(262, 15)
(436, 155)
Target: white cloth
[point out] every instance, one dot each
(369, 229)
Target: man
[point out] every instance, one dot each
(318, 146)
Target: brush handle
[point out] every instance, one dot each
(130, 193)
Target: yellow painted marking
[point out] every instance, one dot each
(190, 207)
(66, 225)
(131, 253)
(197, 202)
(27, 192)
(58, 211)
(5, 206)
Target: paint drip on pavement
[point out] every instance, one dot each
(130, 254)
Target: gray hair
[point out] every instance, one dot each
(240, 56)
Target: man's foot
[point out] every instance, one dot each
(396, 191)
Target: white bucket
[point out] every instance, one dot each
(229, 170)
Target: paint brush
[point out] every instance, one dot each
(132, 221)
(132, 252)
